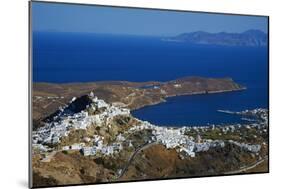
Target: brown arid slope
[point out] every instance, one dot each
(48, 97)
(159, 162)
(71, 168)
(151, 163)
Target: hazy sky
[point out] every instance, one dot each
(96, 19)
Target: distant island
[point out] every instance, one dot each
(251, 38)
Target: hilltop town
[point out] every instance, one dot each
(90, 140)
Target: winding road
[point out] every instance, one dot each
(244, 169)
(146, 145)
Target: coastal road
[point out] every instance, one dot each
(244, 169)
(145, 146)
(133, 99)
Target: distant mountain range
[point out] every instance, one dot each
(254, 38)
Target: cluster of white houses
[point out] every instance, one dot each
(104, 149)
(260, 114)
(96, 147)
(52, 132)
(176, 137)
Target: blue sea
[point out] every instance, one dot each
(77, 57)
